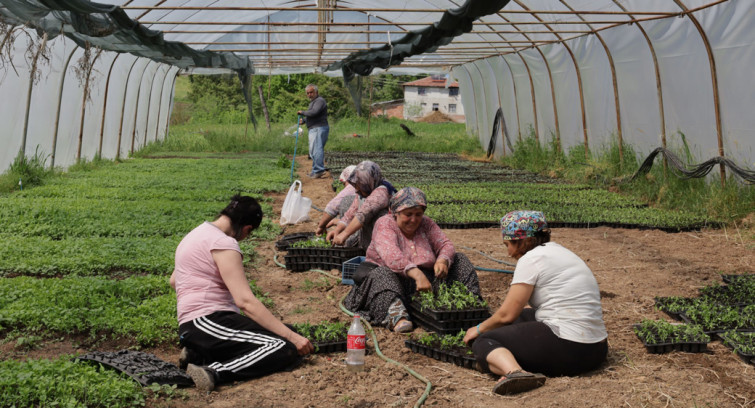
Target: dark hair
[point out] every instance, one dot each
(243, 211)
(527, 244)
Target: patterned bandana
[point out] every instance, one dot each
(344, 177)
(522, 224)
(408, 197)
(366, 177)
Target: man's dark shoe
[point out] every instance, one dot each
(317, 175)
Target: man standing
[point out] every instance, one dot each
(316, 118)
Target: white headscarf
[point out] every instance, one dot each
(344, 177)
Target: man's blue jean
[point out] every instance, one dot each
(317, 138)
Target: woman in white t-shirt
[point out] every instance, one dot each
(221, 344)
(562, 333)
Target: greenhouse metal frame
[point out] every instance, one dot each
(81, 79)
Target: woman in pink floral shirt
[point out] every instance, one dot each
(408, 253)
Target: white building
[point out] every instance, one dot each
(423, 96)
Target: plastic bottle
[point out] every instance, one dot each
(355, 344)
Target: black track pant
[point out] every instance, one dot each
(236, 347)
(538, 350)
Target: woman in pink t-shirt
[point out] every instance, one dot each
(221, 344)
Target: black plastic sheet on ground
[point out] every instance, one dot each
(145, 368)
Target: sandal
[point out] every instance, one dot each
(403, 326)
(518, 381)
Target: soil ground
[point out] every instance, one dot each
(631, 267)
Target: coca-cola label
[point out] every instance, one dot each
(355, 342)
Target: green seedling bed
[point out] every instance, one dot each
(663, 304)
(459, 358)
(729, 279)
(444, 326)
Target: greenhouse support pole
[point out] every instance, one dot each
(170, 103)
(516, 106)
(614, 80)
(160, 101)
(104, 105)
(123, 108)
(84, 106)
(532, 91)
(500, 106)
(149, 104)
(136, 107)
(32, 72)
(661, 114)
(714, 81)
(57, 111)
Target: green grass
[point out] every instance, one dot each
(604, 169)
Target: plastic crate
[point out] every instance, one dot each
(348, 269)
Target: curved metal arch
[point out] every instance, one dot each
(29, 93)
(656, 65)
(500, 104)
(104, 106)
(160, 101)
(84, 106)
(714, 80)
(136, 106)
(484, 91)
(149, 102)
(466, 71)
(614, 79)
(172, 88)
(57, 111)
(123, 107)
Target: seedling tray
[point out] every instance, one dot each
(284, 243)
(143, 367)
(442, 315)
(688, 347)
(304, 259)
(330, 347)
(466, 361)
(731, 278)
(444, 326)
(747, 358)
(660, 303)
(716, 332)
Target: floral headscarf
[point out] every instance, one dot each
(367, 176)
(408, 197)
(522, 224)
(344, 177)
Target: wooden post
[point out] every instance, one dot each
(369, 111)
(264, 106)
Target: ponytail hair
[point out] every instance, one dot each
(243, 211)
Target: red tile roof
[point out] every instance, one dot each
(432, 82)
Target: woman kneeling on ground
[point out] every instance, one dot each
(338, 206)
(373, 197)
(562, 333)
(221, 344)
(408, 253)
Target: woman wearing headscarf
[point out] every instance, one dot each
(562, 333)
(408, 253)
(338, 206)
(373, 196)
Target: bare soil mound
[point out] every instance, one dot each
(435, 117)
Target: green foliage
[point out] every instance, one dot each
(455, 296)
(63, 383)
(604, 168)
(317, 241)
(322, 332)
(217, 99)
(742, 342)
(448, 342)
(28, 170)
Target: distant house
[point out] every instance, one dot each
(423, 96)
(389, 109)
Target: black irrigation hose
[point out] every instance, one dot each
(697, 171)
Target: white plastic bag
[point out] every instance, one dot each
(295, 207)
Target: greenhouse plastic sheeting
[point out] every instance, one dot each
(576, 72)
(685, 78)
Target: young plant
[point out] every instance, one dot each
(449, 297)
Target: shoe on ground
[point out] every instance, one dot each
(317, 175)
(203, 379)
(403, 326)
(518, 381)
(188, 356)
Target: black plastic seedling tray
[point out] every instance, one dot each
(687, 347)
(456, 358)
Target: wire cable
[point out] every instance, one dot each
(697, 171)
(487, 256)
